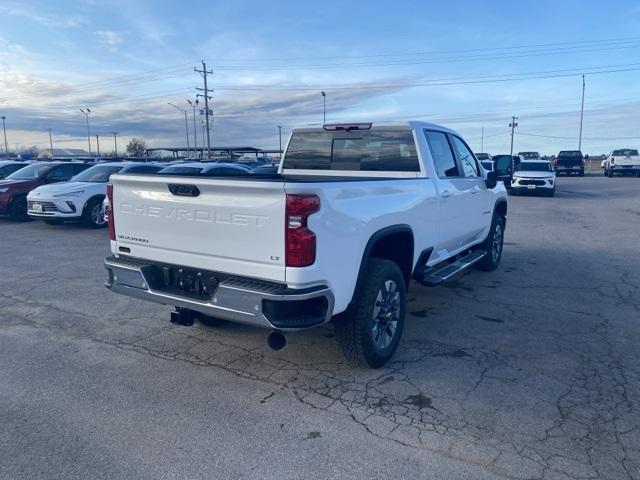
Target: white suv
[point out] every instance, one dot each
(79, 199)
(534, 176)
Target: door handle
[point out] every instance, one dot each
(475, 189)
(445, 193)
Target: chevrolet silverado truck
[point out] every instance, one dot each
(354, 213)
(625, 161)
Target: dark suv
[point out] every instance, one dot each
(7, 167)
(14, 188)
(570, 162)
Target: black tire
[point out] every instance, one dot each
(366, 333)
(52, 221)
(551, 193)
(92, 215)
(581, 174)
(494, 251)
(19, 209)
(610, 173)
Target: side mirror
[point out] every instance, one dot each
(491, 180)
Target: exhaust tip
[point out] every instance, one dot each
(276, 341)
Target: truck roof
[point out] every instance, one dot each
(382, 125)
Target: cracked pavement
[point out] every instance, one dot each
(528, 372)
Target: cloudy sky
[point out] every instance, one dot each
(469, 65)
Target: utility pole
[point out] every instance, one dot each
(581, 115)
(86, 112)
(482, 140)
(324, 107)
(280, 135)
(513, 126)
(115, 142)
(195, 130)
(204, 72)
(186, 124)
(98, 144)
(51, 143)
(4, 128)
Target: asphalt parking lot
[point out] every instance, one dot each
(531, 371)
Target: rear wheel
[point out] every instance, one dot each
(93, 215)
(19, 209)
(370, 331)
(493, 245)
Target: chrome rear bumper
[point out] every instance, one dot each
(237, 299)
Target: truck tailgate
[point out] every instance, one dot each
(219, 224)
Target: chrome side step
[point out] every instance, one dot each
(438, 274)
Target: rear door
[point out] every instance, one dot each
(234, 226)
(455, 229)
(478, 209)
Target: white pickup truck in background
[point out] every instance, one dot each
(624, 161)
(353, 214)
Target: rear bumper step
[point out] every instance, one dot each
(438, 274)
(237, 299)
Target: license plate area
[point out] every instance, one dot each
(181, 281)
(36, 207)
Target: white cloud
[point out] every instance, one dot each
(110, 38)
(48, 20)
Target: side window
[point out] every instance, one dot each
(79, 167)
(465, 158)
(61, 173)
(441, 152)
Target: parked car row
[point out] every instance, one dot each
(60, 191)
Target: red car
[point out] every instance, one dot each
(14, 188)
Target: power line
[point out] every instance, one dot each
(439, 52)
(465, 58)
(575, 138)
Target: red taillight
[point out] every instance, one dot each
(613, 160)
(300, 242)
(112, 225)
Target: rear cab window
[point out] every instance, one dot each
(353, 151)
(627, 152)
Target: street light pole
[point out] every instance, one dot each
(324, 107)
(98, 144)
(86, 112)
(581, 115)
(4, 128)
(482, 140)
(51, 143)
(195, 130)
(280, 136)
(186, 124)
(115, 142)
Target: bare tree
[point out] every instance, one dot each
(137, 147)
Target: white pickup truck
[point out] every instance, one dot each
(624, 161)
(354, 212)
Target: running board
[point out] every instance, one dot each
(439, 274)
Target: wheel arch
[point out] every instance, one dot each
(501, 208)
(380, 245)
(97, 196)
